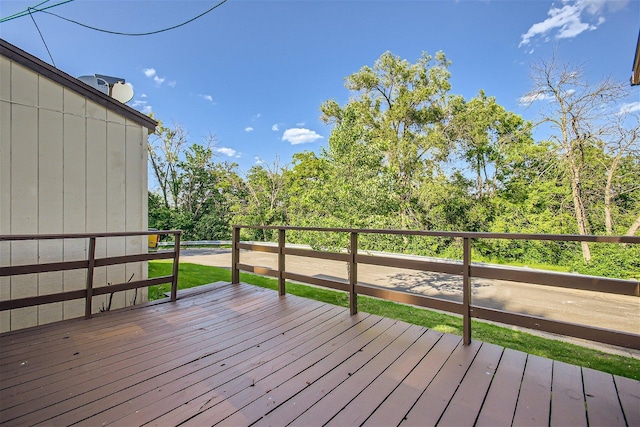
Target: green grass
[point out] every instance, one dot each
(191, 275)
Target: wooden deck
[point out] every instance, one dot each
(241, 355)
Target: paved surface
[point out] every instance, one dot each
(617, 312)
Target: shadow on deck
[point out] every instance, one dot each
(241, 355)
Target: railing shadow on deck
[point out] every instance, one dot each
(90, 263)
(465, 269)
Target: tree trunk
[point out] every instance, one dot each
(579, 211)
(608, 223)
(634, 227)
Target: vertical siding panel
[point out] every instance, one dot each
(5, 184)
(134, 214)
(74, 190)
(24, 203)
(116, 200)
(142, 173)
(97, 189)
(50, 154)
(24, 86)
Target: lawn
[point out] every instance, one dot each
(191, 275)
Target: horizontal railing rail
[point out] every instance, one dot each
(466, 269)
(90, 263)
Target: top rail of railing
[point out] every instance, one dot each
(460, 234)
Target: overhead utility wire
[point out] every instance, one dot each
(33, 8)
(42, 37)
(136, 34)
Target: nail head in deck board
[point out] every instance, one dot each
(567, 396)
(357, 411)
(467, 401)
(534, 400)
(224, 339)
(629, 395)
(396, 406)
(603, 406)
(498, 407)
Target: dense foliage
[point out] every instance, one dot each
(407, 153)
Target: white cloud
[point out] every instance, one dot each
(248, 129)
(300, 124)
(141, 105)
(143, 95)
(631, 107)
(258, 160)
(300, 136)
(152, 74)
(274, 128)
(206, 97)
(532, 97)
(227, 151)
(570, 20)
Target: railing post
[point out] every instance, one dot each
(88, 304)
(235, 255)
(466, 291)
(176, 265)
(281, 265)
(353, 273)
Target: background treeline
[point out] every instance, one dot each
(407, 153)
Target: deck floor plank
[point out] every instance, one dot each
(467, 401)
(499, 406)
(534, 399)
(137, 361)
(359, 409)
(258, 362)
(332, 353)
(629, 395)
(567, 396)
(602, 400)
(240, 355)
(233, 341)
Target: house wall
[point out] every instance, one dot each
(67, 165)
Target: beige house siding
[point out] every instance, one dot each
(68, 164)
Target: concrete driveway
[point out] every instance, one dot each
(617, 312)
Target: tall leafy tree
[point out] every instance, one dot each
(403, 107)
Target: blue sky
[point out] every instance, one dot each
(254, 73)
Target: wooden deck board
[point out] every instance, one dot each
(240, 355)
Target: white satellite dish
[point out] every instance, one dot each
(123, 92)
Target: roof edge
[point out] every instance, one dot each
(635, 75)
(18, 55)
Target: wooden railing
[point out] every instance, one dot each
(90, 263)
(465, 269)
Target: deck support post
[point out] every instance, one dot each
(176, 265)
(235, 255)
(88, 304)
(466, 291)
(353, 273)
(281, 265)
